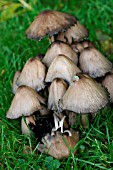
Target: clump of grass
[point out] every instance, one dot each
(95, 148)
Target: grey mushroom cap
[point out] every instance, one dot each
(57, 48)
(33, 74)
(84, 95)
(108, 83)
(77, 47)
(62, 67)
(56, 91)
(14, 85)
(25, 102)
(80, 46)
(93, 63)
(74, 34)
(49, 22)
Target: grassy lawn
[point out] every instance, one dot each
(95, 148)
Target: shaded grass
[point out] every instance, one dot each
(95, 148)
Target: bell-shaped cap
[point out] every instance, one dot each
(80, 46)
(14, 85)
(56, 91)
(108, 83)
(49, 22)
(74, 34)
(25, 122)
(59, 146)
(33, 74)
(87, 43)
(77, 47)
(93, 63)
(57, 48)
(25, 102)
(62, 67)
(84, 95)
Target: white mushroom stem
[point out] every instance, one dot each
(59, 124)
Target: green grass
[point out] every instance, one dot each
(95, 148)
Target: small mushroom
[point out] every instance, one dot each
(25, 124)
(87, 43)
(93, 63)
(56, 91)
(80, 46)
(25, 102)
(77, 47)
(57, 48)
(49, 22)
(84, 95)
(59, 146)
(74, 34)
(14, 86)
(33, 74)
(62, 67)
(108, 83)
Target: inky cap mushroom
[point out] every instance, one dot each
(59, 146)
(25, 102)
(62, 67)
(93, 63)
(57, 48)
(33, 74)
(80, 46)
(56, 91)
(74, 34)
(14, 86)
(84, 95)
(49, 22)
(108, 83)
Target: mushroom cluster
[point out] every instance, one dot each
(50, 93)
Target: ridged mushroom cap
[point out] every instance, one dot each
(84, 95)
(87, 43)
(56, 91)
(15, 78)
(25, 102)
(80, 46)
(49, 22)
(57, 48)
(62, 67)
(33, 74)
(93, 63)
(59, 146)
(77, 47)
(74, 34)
(108, 83)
